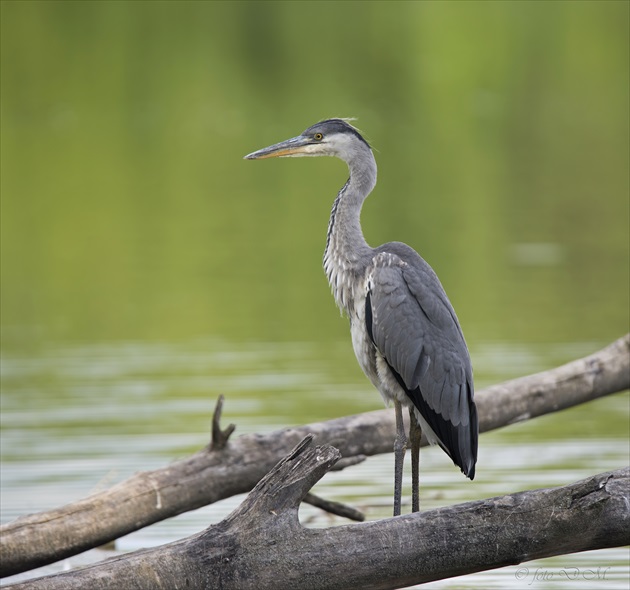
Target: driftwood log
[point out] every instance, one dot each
(227, 468)
(262, 544)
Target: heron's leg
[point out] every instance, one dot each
(415, 435)
(400, 446)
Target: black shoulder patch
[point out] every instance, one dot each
(368, 317)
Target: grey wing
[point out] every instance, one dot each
(414, 327)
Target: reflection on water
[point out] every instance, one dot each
(79, 419)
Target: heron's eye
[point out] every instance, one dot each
(318, 136)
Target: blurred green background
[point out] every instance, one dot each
(501, 132)
(146, 267)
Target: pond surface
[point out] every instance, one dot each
(147, 269)
(79, 419)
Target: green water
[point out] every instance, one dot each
(146, 268)
(501, 132)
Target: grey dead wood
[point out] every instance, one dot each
(262, 544)
(226, 468)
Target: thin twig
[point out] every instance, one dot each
(336, 508)
(219, 437)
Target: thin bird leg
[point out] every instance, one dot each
(415, 435)
(400, 446)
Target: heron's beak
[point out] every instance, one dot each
(296, 146)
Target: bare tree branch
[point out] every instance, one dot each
(220, 437)
(337, 508)
(211, 475)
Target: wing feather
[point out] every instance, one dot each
(414, 327)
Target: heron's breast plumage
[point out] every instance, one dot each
(341, 279)
(350, 288)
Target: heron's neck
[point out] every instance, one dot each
(347, 252)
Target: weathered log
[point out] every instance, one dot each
(262, 544)
(234, 467)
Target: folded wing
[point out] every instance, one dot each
(414, 327)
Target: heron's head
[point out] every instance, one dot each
(333, 137)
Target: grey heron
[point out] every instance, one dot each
(405, 333)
